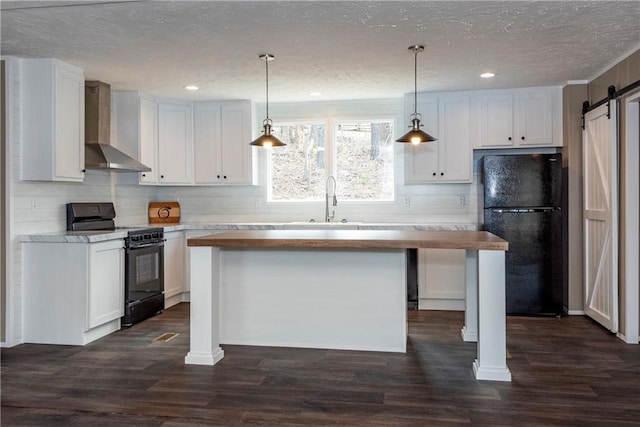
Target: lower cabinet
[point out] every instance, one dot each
(73, 292)
(174, 268)
(106, 283)
(441, 279)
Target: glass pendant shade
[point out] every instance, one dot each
(266, 139)
(416, 136)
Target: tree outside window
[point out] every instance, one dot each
(358, 153)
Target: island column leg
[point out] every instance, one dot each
(491, 363)
(469, 331)
(205, 307)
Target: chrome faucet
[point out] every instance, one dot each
(334, 202)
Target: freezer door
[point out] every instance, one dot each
(534, 259)
(522, 180)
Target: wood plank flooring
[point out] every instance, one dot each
(566, 372)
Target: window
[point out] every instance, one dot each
(358, 153)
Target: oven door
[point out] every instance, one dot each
(144, 272)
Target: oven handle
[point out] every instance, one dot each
(147, 245)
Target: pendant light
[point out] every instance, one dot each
(416, 135)
(266, 139)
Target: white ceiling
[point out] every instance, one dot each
(345, 50)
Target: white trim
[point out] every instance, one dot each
(631, 229)
(577, 82)
(609, 65)
(576, 313)
(10, 77)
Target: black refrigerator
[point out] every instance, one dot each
(522, 204)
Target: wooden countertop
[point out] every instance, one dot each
(357, 239)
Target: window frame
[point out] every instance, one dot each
(330, 123)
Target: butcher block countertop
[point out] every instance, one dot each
(354, 239)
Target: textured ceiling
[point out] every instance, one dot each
(345, 50)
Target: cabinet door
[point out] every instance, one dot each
(174, 258)
(496, 123)
(148, 137)
(421, 161)
(69, 124)
(236, 153)
(52, 121)
(175, 146)
(454, 151)
(441, 278)
(534, 108)
(106, 282)
(206, 143)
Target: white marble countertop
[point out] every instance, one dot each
(121, 233)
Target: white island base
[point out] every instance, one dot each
(339, 299)
(329, 297)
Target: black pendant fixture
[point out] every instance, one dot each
(266, 139)
(416, 135)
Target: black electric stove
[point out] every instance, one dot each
(143, 263)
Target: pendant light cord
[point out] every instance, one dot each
(266, 63)
(415, 83)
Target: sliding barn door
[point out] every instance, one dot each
(600, 157)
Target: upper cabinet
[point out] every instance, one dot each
(53, 98)
(528, 117)
(222, 133)
(175, 143)
(445, 116)
(162, 131)
(184, 143)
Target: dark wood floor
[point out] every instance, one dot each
(565, 371)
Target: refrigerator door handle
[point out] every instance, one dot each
(524, 210)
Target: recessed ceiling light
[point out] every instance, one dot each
(487, 75)
(315, 94)
(191, 87)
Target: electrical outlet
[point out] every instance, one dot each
(461, 201)
(258, 202)
(406, 200)
(34, 205)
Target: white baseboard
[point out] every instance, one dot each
(441, 304)
(575, 313)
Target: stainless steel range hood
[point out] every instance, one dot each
(98, 153)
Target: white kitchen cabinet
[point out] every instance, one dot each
(222, 133)
(135, 119)
(174, 267)
(525, 117)
(175, 143)
(161, 129)
(148, 134)
(449, 159)
(106, 282)
(73, 292)
(52, 96)
(441, 279)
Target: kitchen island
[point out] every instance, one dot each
(342, 289)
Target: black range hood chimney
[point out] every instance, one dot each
(99, 154)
